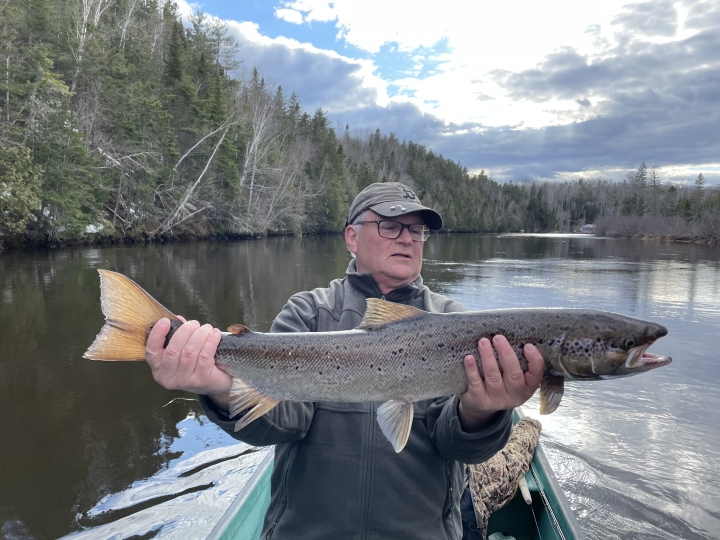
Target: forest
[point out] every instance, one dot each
(122, 122)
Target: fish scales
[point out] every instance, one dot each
(398, 355)
(412, 359)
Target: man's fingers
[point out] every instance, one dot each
(171, 357)
(513, 376)
(472, 372)
(191, 351)
(536, 366)
(154, 347)
(206, 360)
(491, 370)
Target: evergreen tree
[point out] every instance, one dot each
(698, 198)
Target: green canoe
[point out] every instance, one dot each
(549, 517)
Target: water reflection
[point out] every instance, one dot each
(91, 445)
(184, 499)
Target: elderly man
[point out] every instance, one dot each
(336, 476)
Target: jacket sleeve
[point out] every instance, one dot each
(443, 425)
(289, 421)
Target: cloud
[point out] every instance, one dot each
(655, 18)
(645, 85)
(322, 79)
(289, 15)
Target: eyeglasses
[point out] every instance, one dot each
(392, 230)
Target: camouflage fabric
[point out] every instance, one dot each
(494, 483)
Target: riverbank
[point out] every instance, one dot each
(685, 239)
(704, 230)
(28, 242)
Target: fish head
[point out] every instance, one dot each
(609, 345)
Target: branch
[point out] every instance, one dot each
(167, 224)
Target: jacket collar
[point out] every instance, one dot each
(364, 282)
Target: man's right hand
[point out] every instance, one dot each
(188, 362)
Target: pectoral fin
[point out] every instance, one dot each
(551, 392)
(395, 419)
(247, 397)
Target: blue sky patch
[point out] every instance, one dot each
(419, 63)
(322, 35)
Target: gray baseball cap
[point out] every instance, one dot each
(392, 199)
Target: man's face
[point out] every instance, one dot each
(392, 263)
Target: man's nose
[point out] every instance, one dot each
(405, 237)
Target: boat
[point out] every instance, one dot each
(548, 517)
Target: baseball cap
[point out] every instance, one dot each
(392, 199)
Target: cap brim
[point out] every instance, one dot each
(392, 209)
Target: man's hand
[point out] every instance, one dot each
(188, 362)
(499, 391)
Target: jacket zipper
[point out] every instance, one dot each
(450, 503)
(270, 531)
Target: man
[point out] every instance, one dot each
(335, 475)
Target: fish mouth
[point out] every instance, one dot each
(653, 360)
(640, 360)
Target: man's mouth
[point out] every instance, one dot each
(402, 255)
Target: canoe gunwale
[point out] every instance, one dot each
(224, 524)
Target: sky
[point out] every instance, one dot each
(525, 90)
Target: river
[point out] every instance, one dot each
(98, 450)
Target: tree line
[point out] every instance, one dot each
(119, 121)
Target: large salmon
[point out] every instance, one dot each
(398, 355)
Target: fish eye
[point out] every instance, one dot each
(630, 343)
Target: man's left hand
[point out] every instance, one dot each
(500, 390)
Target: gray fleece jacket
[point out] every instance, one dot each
(336, 476)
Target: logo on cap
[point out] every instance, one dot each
(408, 193)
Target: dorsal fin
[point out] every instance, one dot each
(380, 312)
(238, 329)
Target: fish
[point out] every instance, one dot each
(398, 355)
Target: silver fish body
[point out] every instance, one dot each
(398, 355)
(420, 357)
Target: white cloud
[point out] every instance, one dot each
(522, 89)
(289, 15)
(323, 79)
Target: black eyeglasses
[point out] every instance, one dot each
(392, 230)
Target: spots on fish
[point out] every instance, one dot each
(441, 345)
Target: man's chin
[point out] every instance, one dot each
(403, 270)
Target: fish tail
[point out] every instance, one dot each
(130, 313)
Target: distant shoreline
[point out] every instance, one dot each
(30, 244)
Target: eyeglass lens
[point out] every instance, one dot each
(393, 229)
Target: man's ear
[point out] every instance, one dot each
(351, 238)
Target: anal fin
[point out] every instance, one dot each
(551, 392)
(247, 397)
(395, 419)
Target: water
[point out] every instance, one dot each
(97, 450)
